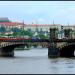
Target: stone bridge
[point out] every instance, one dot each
(7, 48)
(67, 50)
(61, 47)
(56, 47)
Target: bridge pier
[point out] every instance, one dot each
(53, 51)
(7, 52)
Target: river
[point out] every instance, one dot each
(36, 61)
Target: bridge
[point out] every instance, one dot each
(56, 47)
(7, 45)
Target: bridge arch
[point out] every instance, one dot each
(8, 50)
(68, 50)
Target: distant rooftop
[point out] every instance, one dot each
(7, 22)
(5, 19)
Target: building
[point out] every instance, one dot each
(36, 28)
(8, 25)
(41, 27)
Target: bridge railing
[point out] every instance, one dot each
(35, 40)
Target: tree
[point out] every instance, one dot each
(43, 36)
(16, 31)
(26, 33)
(2, 29)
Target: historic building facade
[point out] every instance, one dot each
(5, 22)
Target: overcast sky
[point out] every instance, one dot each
(41, 12)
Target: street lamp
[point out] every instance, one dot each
(23, 28)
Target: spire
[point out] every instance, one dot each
(53, 22)
(23, 21)
(68, 23)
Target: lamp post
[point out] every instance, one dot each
(23, 28)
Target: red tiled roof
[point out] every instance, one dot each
(11, 23)
(42, 25)
(17, 23)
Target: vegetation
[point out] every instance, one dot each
(2, 29)
(21, 33)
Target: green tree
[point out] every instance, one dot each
(16, 31)
(2, 29)
(42, 36)
(26, 33)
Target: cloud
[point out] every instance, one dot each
(41, 20)
(42, 11)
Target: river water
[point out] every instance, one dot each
(36, 61)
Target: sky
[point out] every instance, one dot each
(41, 12)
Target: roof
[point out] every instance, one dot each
(5, 19)
(42, 25)
(18, 23)
(11, 23)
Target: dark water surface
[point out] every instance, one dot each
(36, 61)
